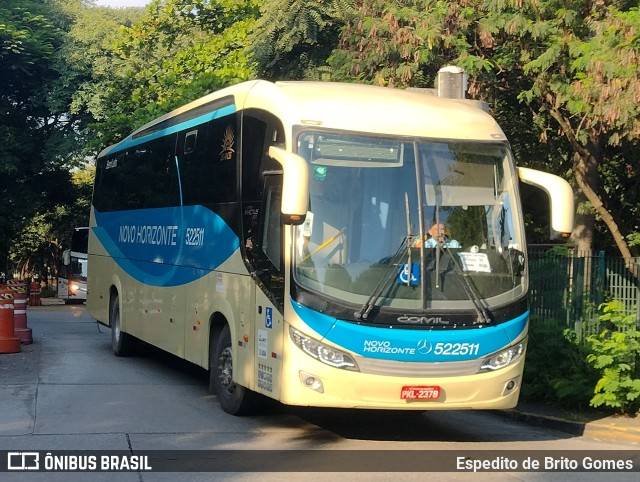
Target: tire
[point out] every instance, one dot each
(121, 342)
(233, 398)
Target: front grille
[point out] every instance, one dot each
(418, 369)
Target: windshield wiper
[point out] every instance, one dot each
(389, 274)
(472, 294)
(409, 237)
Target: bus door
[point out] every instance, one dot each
(269, 286)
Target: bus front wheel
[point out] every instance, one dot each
(234, 399)
(121, 342)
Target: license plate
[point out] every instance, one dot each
(419, 393)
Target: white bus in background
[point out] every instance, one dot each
(72, 277)
(277, 234)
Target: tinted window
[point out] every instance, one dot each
(207, 155)
(144, 176)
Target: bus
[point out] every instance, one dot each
(72, 275)
(271, 233)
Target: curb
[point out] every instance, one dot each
(606, 430)
(546, 421)
(51, 301)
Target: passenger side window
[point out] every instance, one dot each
(208, 162)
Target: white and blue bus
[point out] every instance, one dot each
(72, 274)
(278, 235)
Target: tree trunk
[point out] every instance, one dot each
(584, 226)
(585, 168)
(581, 176)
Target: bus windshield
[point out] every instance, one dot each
(412, 223)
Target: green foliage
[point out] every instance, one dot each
(67, 64)
(48, 292)
(555, 369)
(39, 136)
(403, 43)
(633, 238)
(561, 78)
(574, 66)
(88, 50)
(616, 356)
(293, 38)
(40, 243)
(178, 51)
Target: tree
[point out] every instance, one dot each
(580, 60)
(561, 73)
(293, 38)
(48, 232)
(401, 43)
(88, 50)
(35, 127)
(178, 51)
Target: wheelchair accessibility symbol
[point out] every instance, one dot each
(403, 274)
(268, 318)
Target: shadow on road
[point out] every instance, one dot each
(379, 425)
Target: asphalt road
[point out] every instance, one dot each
(67, 392)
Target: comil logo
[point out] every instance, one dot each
(23, 461)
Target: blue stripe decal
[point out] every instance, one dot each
(129, 142)
(166, 246)
(413, 345)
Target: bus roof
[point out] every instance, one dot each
(387, 110)
(351, 107)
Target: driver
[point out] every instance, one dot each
(438, 234)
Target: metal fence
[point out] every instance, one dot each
(567, 287)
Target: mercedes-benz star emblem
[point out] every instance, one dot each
(424, 346)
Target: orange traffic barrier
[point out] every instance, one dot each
(20, 297)
(34, 294)
(8, 341)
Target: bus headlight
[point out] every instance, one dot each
(324, 353)
(503, 358)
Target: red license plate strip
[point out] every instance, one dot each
(420, 392)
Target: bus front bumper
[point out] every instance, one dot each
(309, 382)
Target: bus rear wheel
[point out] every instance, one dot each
(121, 342)
(233, 398)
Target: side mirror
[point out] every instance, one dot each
(560, 197)
(295, 185)
(66, 257)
